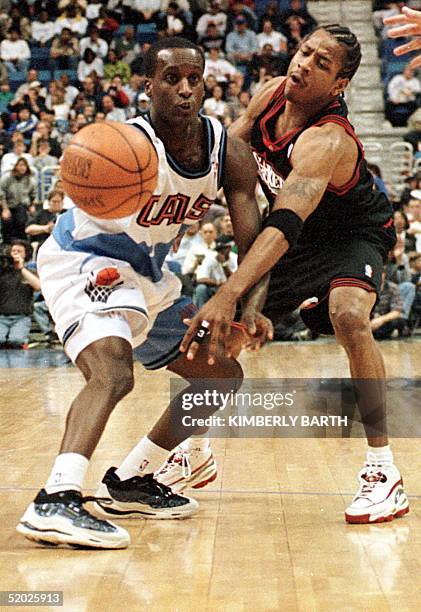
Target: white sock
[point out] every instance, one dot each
(145, 458)
(196, 443)
(69, 471)
(380, 455)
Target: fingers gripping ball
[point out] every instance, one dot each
(110, 169)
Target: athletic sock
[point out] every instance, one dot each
(381, 455)
(69, 471)
(145, 458)
(196, 443)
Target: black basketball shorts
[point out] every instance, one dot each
(306, 272)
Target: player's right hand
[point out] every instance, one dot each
(215, 317)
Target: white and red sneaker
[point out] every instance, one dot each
(380, 497)
(193, 468)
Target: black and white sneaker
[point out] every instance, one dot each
(60, 518)
(141, 497)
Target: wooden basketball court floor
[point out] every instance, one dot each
(270, 533)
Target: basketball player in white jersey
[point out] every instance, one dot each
(108, 292)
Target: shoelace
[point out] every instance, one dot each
(372, 476)
(182, 458)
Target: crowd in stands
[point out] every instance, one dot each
(402, 86)
(67, 63)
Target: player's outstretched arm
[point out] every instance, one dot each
(239, 183)
(316, 154)
(408, 23)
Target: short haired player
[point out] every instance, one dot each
(327, 236)
(139, 305)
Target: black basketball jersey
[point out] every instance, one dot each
(353, 210)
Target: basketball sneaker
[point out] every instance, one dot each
(380, 497)
(60, 518)
(141, 497)
(188, 468)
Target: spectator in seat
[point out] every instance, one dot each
(274, 64)
(9, 160)
(172, 22)
(43, 132)
(398, 271)
(113, 67)
(299, 10)
(31, 76)
(414, 215)
(197, 252)
(217, 65)
(17, 287)
(387, 317)
(43, 29)
(241, 44)
(178, 253)
(111, 112)
(401, 223)
(15, 53)
(73, 19)
(143, 11)
(214, 271)
(26, 123)
(295, 32)
(17, 198)
(44, 159)
(90, 65)
(402, 92)
(212, 39)
(94, 42)
(272, 37)
(6, 96)
(40, 227)
(215, 16)
(19, 21)
(413, 136)
(126, 48)
(65, 50)
(215, 106)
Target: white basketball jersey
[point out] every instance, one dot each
(181, 198)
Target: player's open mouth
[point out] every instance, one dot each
(185, 106)
(296, 80)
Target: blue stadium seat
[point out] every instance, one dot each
(72, 74)
(40, 63)
(45, 76)
(146, 32)
(17, 79)
(40, 53)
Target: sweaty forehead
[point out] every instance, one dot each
(324, 43)
(186, 58)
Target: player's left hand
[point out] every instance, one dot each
(215, 319)
(259, 329)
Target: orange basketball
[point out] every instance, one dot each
(110, 169)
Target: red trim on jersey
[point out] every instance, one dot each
(351, 282)
(388, 223)
(279, 144)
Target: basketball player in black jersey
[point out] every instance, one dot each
(327, 236)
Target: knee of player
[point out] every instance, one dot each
(232, 374)
(350, 321)
(116, 382)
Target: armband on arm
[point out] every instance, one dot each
(287, 222)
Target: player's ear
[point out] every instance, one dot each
(340, 86)
(148, 87)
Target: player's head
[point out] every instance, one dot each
(174, 78)
(326, 61)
